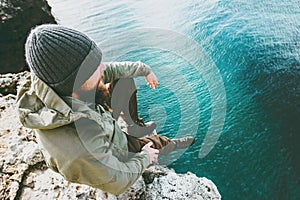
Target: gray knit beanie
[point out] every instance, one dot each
(61, 57)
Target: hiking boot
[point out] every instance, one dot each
(151, 124)
(181, 143)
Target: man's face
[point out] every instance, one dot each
(88, 89)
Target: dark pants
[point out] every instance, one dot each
(162, 143)
(123, 99)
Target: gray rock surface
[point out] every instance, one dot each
(24, 174)
(17, 18)
(9, 82)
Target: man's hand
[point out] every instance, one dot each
(151, 80)
(153, 152)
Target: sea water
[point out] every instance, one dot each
(229, 74)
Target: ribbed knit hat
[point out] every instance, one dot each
(62, 57)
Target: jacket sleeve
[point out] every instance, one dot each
(111, 175)
(97, 165)
(116, 70)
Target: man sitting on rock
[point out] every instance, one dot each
(78, 137)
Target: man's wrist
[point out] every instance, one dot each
(147, 154)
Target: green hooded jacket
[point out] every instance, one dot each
(84, 145)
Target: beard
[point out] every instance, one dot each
(97, 96)
(103, 96)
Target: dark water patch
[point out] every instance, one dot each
(277, 91)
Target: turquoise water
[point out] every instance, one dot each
(251, 46)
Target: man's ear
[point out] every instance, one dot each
(102, 68)
(75, 95)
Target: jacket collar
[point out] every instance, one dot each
(40, 107)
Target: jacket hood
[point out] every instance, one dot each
(40, 107)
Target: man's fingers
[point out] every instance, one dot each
(149, 144)
(152, 85)
(152, 80)
(152, 152)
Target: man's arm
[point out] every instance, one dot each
(98, 166)
(108, 173)
(117, 70)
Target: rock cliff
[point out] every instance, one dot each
(17, 18)
(24, 174)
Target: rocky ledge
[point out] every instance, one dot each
(24, 174)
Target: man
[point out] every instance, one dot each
(77, 136)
